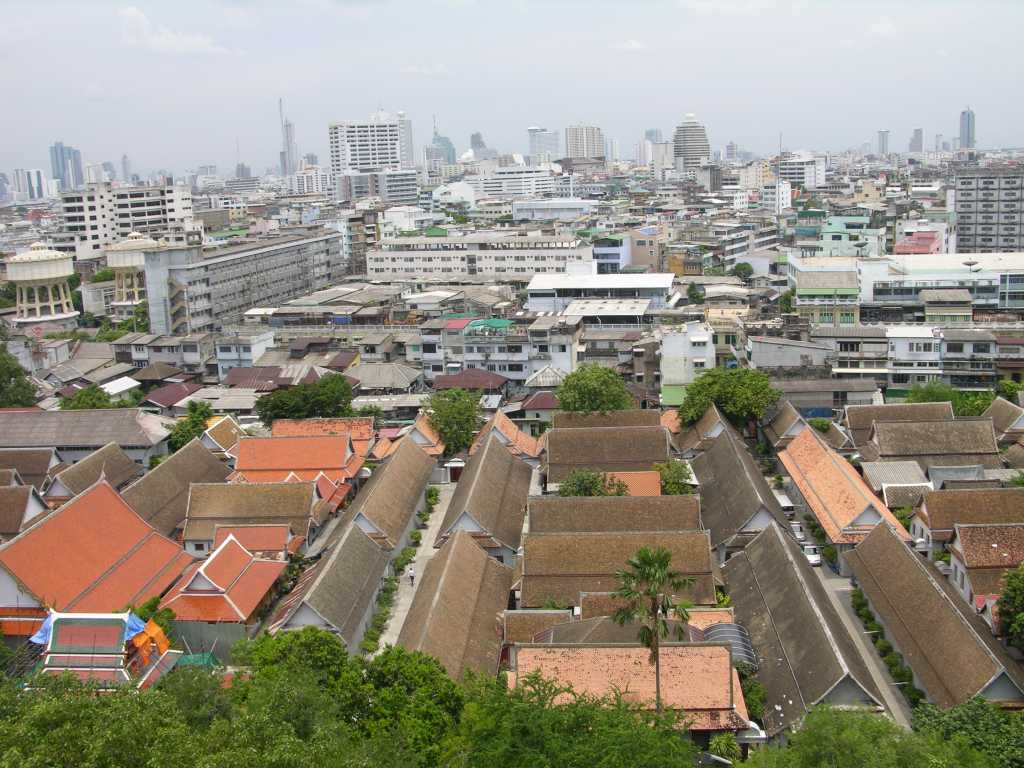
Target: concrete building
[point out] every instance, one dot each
(564, 209)
(584, 141)
(802, 169)
(544, 145)
(66, 164)
(967, 139)
(384, 141)
(691, 148)
(777, 197)
(497, 254)
(128, 260)
(663, 159)
(554, 293)
(31, 184)
(687, 350)
(917, 141)
(241, 348)
(396, 187)
(990, 210)
(514, 181)
(311, 180)
(40, 276)
(883, 143)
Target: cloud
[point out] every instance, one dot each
(629, 45)
(424, 70)
(138, 31)
(238, 17)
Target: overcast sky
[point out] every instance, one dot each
(174, 84)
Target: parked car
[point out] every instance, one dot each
(798, 531)
(813, 555)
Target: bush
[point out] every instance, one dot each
(893, 661)
(821, 424)
(404, 558)
(416, 537)
(883, 646)
(433, 495)
(913, 694)
(830, 554)
(778, 481)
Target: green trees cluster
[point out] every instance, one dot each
(741, 394)
(676, 478)
(95, 397)
(330, 396)
(590, 482)
(998, 734)
(964, 403)
(1011, 607)
(455, 414)
(593, 388)
(192, 426)
(15, 388)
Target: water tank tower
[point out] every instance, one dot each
(128, 260)
(40, 276)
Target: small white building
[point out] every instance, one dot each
(687, 350)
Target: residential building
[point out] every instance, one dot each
(554, 293)
(189, 353)
(31, 184)
(775, 352)
(690, 145)
(967, 137)
(828, 298)
(514, 181)
(935, 519)
(686, 352)
(990, 210)
(802, 169)
(544, 145)
(241, 348)
(584, 141)
(384, 141)
(311, 180)
(66, 164)
(392, 186)
(552, 209)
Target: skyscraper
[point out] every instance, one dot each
(66, 164)
(731, 151)
(653, 135)
(243, 171)
(442, 148)
(967, 129)
(383, 141)
(690, 144)
(917, 141)
(310, 158)
(938, 142)
(108, 168)
(544, 144)
(289, 150)
(29, 184)
(883, 143)
(480, 149)
(584, 141)
(126, 169)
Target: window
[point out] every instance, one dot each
(437, 367)
(698, 363)
(226, 350)
(849, 346)
(955, 347)
(200, 546)
(701, 344)
(983, 348)
(430, 348)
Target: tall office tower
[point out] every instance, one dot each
(584, 141)
(480, 149)
(310, 158)
(938, 142)
(30, 184)
(383, 141)
(441, 148)
(883, 143)
(917, 141)
(94, 173)
(126, 169)
(967, 138)
(4, 184)
(990, 210)
(243, 171)
(108, 168)
(66, 164)
(289, 150)
(731, 151)
(544, 144)
(690, 143)
(207, 170)
(653, 135)
(613, 150)
(662, 159)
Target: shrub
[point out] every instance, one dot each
(874, 628)
(883, 646)
(830, 554)
(821, 424)
(913, 694)
(778, 481)
(404, 558)
(893, 661)
(416, 537)
(433, 495)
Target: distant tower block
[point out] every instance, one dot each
(40, 276)
(128, 260)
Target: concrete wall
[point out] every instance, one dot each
(217, 638)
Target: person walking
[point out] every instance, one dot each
(412, 576)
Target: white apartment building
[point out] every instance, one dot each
(690, 144)
(555, 292)
(990, 209)
(514, 181)
(102, 214)
(311, 180)
(32, 185)
(584, 141)
(241, 348)
(544, 145)
(491, 253)
(552, 209)
(382, 141)
(777, 196)
(755, 175)
(397, 187)
(803, 169)
(687, 350)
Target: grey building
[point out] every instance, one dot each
(990, 210)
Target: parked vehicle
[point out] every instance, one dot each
(798, 531)
(813, 555)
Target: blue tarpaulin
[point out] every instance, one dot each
(132, 627)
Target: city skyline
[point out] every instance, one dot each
(161, 129)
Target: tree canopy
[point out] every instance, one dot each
(330, 396)
(192, 426)
(994, 732)
(87, 398)
(741, 394)
(787, 301)
(455, 414)
(590, 482)
(1011, 606)
(964, 403)
(593, 388)
(743, 271)
(15, 388)
(676, 478)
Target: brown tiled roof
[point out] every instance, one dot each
(733, 489)
(512, 437)
(172, 393)
(632, 418)
(606, 449)
(14, 501)
(524, 626)
(778, 429)
(225, 432)
(456, 612)
(1015, 455)
(161, 495)
(990, 545)
(471, 379)
(941, 510)
(836, 438)
(1007, 419)
(645, 483)
(602, 630)
(388, 500)
(599, 604)
(213, 504)
(707, 427)
(935, 443)
(803, 649)
(835, 494)
(897, 496)
(565, 514)
(33, 464)
(559, 566)
(492, 490)
(859, 418)
(359, 428)
(156, 372)
(110, 462)
(952, 653)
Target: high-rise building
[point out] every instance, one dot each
(94, 173)
(990, 210)
(690, 143)
(613, 150)
(883, 143)
(66, 164)
(126, 169)
(4, 184)
(731, 151)
(382, 142)
(544, 144)
(584, 141)
(480, 149)
(967, 139)
(310, 158)
(243, 171)
(662, 159)
(30, 184)
(109, 170)
(917, 141)
(653, 135)
(289, 149)
(938, 142)
(311, 180)
(443, 150)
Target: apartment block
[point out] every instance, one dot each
(990, 210)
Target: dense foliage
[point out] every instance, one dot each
(676, 478)
(743, 271)
(590, 482)
(330, 396)
(1011, 606)
(994, 732)
(15, 388)
(87, 398)
(787, 301)
(820, 423)
(191, 426)
(594, 389)
(455, 414)
(741, 394)
(964, 403)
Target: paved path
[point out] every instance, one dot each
(838, 588)
(403, 598)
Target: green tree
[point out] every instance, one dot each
(725, 745)
(455, 414)
(330, 396)
(15, 388)
(647, 585)
(1017, 481)
(820, 423)
(694, 294)
(593, 388)
(190, 427)
(741, 394)
(787, 301)
(372, 412)
(1011, 606)
(140, 319)
(590, 482)
(102, 275)
(151, 609)
(754, 693)
(964, 403)
(994, 732)
(676, 478)
(87, 398)
(1008, 389)
(743, 271)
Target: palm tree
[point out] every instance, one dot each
(647, 585)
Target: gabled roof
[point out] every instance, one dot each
(255, 538)
(1007, 419)
(455, 612)
(548, 376)
(803, 649)
(732, 487)
(275, 459)
(643, 483)
(93, 554)
(540, 401)
(835, 494)
(161, 495)
(157, 371)
(226, 587)
(786, 424)
(128, 427)
(358, 428)
(471, 379)
(511, 436)
(388, 500)
(109, 462)
(33, 464)
(384, 375)
(173, 393)
(224, 433)
(951, 651)
(940, 511)
(880, 473)
(564, 514)
(214, 504)
(935, 443)
(14, 508)
(492, 490)
(990, 546)
(859, 418)
(631, 418)
(559, 566)
(697, 436)
(605, 449)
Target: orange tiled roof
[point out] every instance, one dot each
(670, 421)
(645, 483)
(280, 459)
(93, 554)
(517, 441)
(359, 428)
(833, 490)
(435, 445)
(382, 448)
(255, 538)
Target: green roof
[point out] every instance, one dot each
(673, 394)
(491, 323)
(435, 232)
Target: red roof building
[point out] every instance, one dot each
(283, 459)
(359, 428)
(271, 541)
(471, 379)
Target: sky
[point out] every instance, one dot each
(175, 85)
